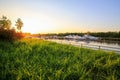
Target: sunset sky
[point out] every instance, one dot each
(55, 16)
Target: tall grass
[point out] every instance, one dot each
(31, 59)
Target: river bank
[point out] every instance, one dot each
(39, 59)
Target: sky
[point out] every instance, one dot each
(60, 16)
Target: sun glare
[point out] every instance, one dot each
(37, 26)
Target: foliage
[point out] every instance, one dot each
(107, 34)
(6, 32)
(96, 34)
(19, 24)
(9, 35)
(61, 34)
(31, 59)
(5, 23)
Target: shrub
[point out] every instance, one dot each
(10, 35)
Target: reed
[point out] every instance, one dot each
(32, 59)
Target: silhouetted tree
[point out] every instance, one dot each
(19, 24)
(5, 23)
(7, 33)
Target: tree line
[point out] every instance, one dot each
(106, 34)
(96, 34)
(9, 33)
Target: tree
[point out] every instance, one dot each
(19, 24)
(5, 23)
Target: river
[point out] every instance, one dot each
(104, 45)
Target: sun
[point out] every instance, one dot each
(37, 26)
(29, 30)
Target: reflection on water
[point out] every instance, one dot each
(87, 42)
(99, 43)
(108, 46)
(103, 43)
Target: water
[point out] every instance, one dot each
(106, 45)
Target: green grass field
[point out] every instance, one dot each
(32, 59)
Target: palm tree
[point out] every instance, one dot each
(19, 24)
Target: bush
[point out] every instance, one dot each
(10, 35)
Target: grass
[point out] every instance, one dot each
(32, 59)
